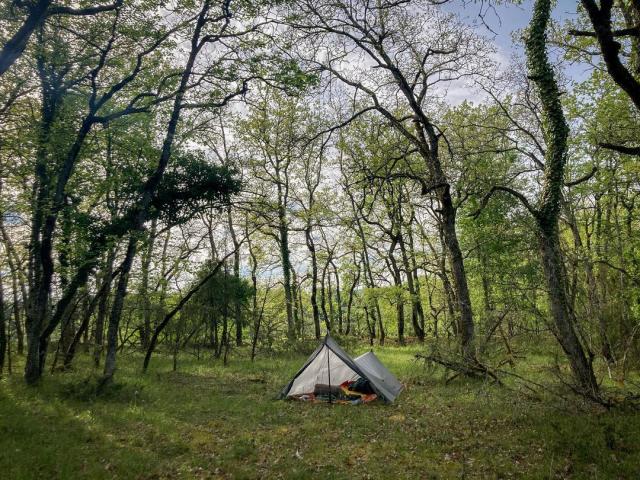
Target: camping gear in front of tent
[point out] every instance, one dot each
(323, 389)
(329, 367)
(349, 391)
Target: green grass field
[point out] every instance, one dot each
(211, 421)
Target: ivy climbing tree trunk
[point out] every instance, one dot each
(556, 132)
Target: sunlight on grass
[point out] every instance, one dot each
(212, 421)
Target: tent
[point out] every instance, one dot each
(329, 365)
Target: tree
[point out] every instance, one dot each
(410, 50)
(37, 13)
(547, 211)
(103, 104)
(602, 21)
(275, 136)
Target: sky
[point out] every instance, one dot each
(503, 20)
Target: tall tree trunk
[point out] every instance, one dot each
(323, 298)
(416, 281)
(17, 320)
(236, 273)
(338, 298)
(300, 307)
(397, 281)
(417, 313)
(17, 285)
(103, 305)
(327, 276)
(67, 327)
(49, 197)
(297, 303)
(145, 330)
(556, 133)
(285, 256)
(553, 267)
(116, 310)
(37, 302)
(594, 302)
(3, 330)
(466, 327)
(314, 280)
(224, 338)
(148, 191)
(13, 48)
(352, 289)
(257, 318)
(447, 224)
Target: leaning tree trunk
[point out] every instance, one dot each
(14, 46)
(554, 273)
(556, 132)
(429, 141)
(116, 309)
(148, 191)
(465, 326)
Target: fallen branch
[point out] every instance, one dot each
(473, 369)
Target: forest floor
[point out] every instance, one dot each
(211, 421)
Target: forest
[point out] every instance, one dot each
(195, 193)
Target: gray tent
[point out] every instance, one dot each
(330, 365)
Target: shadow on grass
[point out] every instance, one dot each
(41, 437)
(211, 421)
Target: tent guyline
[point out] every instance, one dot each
(330, 374)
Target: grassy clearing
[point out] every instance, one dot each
(211, 421)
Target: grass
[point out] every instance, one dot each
(212, 421)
